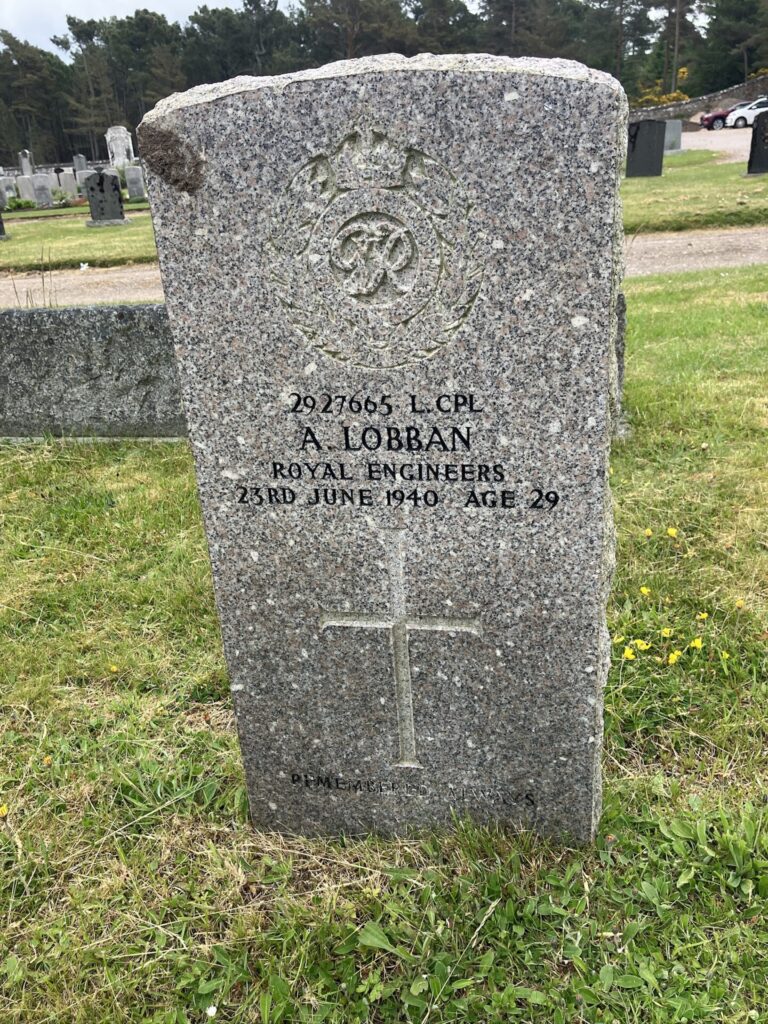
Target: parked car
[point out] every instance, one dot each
(715, 120)
(743, 116)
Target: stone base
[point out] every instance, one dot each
(106, 223)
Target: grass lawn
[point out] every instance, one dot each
(55, 243)
(695, 192)
(132, 886)
(66, 211)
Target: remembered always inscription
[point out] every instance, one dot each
(398, 624)
(376, 256)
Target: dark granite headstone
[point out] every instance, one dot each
(645, 151)
(758, 152)
(104, 198)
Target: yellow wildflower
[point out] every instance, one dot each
(724, 655)
(740, 603)
(672, 531)
(642, 645)
(113, 668)
(674, 656)
(702, 616)
(645, 591)
(628, 655)
(648, 533)
(47, 759)
(618, 639)
(4, 811)
(696, 642)
(666, 632)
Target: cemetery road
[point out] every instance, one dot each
(664, 252)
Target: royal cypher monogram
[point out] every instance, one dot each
(375, 255)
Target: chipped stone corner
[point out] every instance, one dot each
(171, 158)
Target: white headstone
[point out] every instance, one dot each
(120, 146)
(26, 163)
(68, 183)
(25, 187)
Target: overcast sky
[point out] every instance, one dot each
(38, 20)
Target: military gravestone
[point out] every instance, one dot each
(105, 199)
(396, 344)
(758, 150)
(645, 149)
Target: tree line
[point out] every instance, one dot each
(113, 70)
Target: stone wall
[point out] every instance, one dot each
(100, 371)
(711, 101)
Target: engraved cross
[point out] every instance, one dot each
(399, 624)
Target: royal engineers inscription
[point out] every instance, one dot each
(396, 347)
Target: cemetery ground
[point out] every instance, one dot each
(695, 191)
(133, 887)
(54, 243)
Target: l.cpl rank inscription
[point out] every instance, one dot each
(315, 479)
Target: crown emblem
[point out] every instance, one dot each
(368, 159)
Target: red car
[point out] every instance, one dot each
(716, 120)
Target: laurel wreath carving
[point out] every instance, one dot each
(370, 180)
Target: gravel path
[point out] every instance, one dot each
(731, 143)
(667, 252)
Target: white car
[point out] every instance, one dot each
(745, 115)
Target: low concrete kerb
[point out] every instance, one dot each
(107, 223)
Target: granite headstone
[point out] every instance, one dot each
(26, 163)
(134, 181)
(79, 163)
(758, 150)
(41, 183)
(105, 199)
(673, 136)
(104, 371)
(397, 351)
(645, 149)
